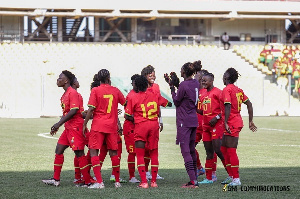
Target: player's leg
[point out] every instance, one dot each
(185, 147)
(209, 161)
(112, 145)
(231, 144)
(95, 143)
(83, 164)
(58, 163)
(140, 154)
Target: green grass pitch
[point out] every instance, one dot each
(268, 157)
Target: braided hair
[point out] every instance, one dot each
(191, 68)
(209, 75)
(141, 83)
(70, 76)
(103, 75)
(95, 82)
(147, 70)
(133, 77)
(233, 75)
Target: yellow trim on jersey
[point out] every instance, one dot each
(128, 114)
(154, 165)
(227, 102)
(141, 165)
(115, 166)
(58, 165)
(74, 108)
(77, 167)
(234, 166)
(124, 103)
(89, 105)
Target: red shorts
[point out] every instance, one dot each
(97, 139)
(148, 132)
(213, 133)
(73, 138)
(235, 131)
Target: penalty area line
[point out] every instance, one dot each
(47, 135)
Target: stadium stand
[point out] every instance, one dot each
(31, 69)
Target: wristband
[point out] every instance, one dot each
(218, 117)
(160, 120)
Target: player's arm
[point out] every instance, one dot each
(62, 120)
(177, 97)
(252, 126)
(227, 114)
(87, 118)
(129, 117)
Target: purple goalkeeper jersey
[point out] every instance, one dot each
(186, 100)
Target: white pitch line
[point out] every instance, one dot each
(280, 130)
(47, 135)
(273, 145)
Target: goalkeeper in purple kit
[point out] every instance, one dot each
(186, 100)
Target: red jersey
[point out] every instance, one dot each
(200, 117)
(210, 104)
(105, 99)
(70, 100)
(235, 96)
(145, 106)
(129, 124)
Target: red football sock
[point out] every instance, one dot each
(214, 168)
(58, 163)
(154, 164)
(88, 157)
(115, 162)
(140, 154)
(120, 149)
(77, 168)
(199, 166)
(102, 155)
(131, 164)
(84, 168)
(234, 160)
(147, 160)
(96, 168)
(227, 160)
(208, 168)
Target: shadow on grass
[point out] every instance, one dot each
(29, 185)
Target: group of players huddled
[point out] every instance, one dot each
(202, 112)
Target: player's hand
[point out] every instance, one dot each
(213, 122)
(252, 126)
(167, 78)
(161, 127)
(119, 111)
(84, 114)
(54, 129)
(227, 128)
(53, 132)
(174, 79)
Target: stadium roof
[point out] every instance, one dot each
(288, 9)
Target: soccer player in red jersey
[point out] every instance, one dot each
(143, 110)
(149, 73)
(128, 132)
(186, 100)
(72, 135)
(103, 104)
(213, 126)
(77, 179)
(231, 101)
(198, 77)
